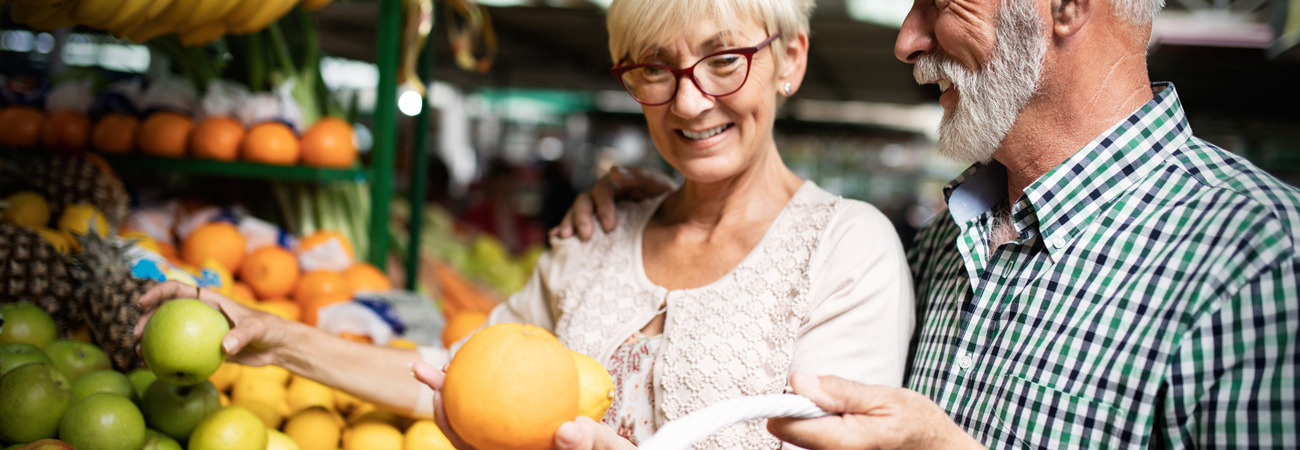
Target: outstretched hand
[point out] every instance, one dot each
(868, 417)
(620, 183)
(253, 334)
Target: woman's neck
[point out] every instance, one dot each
(757, 194)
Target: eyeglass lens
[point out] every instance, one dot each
(716, 75)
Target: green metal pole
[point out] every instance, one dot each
(381, 164)
(419, 170)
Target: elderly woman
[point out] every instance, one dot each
(746, 272)
(718, 289)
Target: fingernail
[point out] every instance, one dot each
(568, 434)
(229, 343)
(805, 383)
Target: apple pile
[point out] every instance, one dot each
(63, 394)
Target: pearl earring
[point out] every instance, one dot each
(789, 88)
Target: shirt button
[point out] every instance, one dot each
(965, 361)
(1054, 242)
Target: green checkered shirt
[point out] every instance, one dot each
(1150, 301)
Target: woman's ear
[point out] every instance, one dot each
(794, 65)
(1069, 16)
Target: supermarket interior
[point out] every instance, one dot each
(388, 170)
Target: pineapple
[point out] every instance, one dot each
(64, 180)
(108, 295)
(32, 269)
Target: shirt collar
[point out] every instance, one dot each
(1067, 197)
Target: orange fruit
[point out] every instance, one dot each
(164, 133)
(271, 143)
(364, 276)
(270, 271)
(461, 325)
(220, 241)
(65, 130)
(316, 283)
(328, 143)
(323, 237)
(283, 308)
(311, 308)
(240, 291)
(22, 126)
(511, 386)
(217, 138)
(114, 133)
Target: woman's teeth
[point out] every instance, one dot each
(697, 135)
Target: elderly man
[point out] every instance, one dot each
(1102, 278)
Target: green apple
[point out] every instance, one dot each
(156, 440)
(46, 444)
(141, 379)
(176, 410)
(14, 354)
(109, 381)
(32, 399)
(103, 421)
(182, 341)
(76, 358)
(26, 322)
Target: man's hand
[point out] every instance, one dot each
(253, 334)
(869, 417)
(620, 183)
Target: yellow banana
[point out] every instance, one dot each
(208, 11)
(94, 12)
(242, 12)
(143, 31)
(177, 12)
(202, 35)
(156, 8)
(312, 5)
(58, 19)
(267, 13)
(128, 12)
(29, 13)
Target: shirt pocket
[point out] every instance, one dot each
(1034, 415)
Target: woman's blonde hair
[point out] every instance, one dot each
(635, 25)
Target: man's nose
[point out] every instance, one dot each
(916, 37)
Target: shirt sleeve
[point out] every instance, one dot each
(1233, 379)
(862, 303)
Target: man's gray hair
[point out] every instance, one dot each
(1138, 12)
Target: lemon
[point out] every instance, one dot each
(227, 428)
(595, 387)
(371, 435)
(26, 208)
(425, 435)
(305, 392)
(61, 240)
(77, 219)
(315, 428)
(226, 375)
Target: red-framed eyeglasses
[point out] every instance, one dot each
(723, 73)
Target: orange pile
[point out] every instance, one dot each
(220, 241)
(114, 133)
(328, 143)
(164, 133)
(217, 138)
(271, 143)
(22, 126)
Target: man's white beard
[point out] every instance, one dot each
(992, 97)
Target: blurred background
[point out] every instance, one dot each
(522, 114)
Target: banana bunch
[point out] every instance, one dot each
(197, 22)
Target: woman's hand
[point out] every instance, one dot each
(586, 434)
(620, 183)
(434, 378)
(253, 336)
